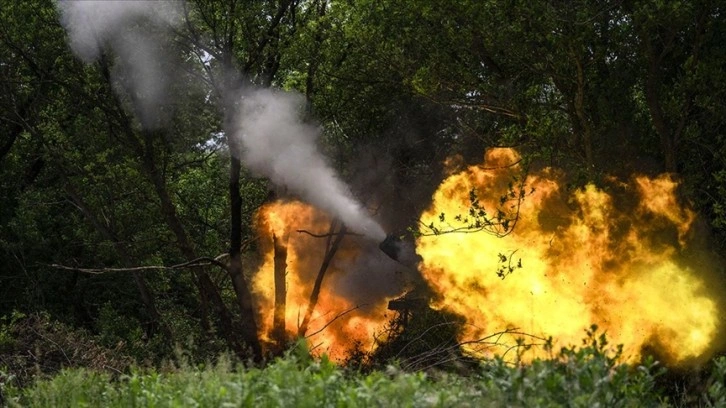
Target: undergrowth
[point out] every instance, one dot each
(575, 377)
(44, 365)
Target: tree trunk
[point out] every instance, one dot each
(278, 323)
(655, 54)
(667, 142)
(241, 288)
(330, 250)
(314, 62)
(581, 115)
(207, 289)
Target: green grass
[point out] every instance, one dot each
(584, 377)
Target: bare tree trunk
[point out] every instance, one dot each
(278, 322)
(241, 288)
(330, 250)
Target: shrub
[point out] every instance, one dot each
(575, 377)
(36, 346)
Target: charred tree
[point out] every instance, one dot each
(278, 323)
(241, 288)
(331, 247)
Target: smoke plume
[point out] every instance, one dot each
(90, 24)
(142, 70)
(276, 142)
(280, 146)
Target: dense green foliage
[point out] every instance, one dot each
(577, 378)
(585, 376)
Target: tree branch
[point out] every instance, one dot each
(331, 234)
(338, 316)
(198, 262)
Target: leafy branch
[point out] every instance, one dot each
(500, 222)
(506, 267)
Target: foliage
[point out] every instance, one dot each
(717, 384)
(577, 377)
(419, 338)
(35, 347)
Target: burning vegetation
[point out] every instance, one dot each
(522, 256)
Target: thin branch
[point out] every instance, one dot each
(52, 342)
(500, 225)
(198, 262)
(504, 166)
(332, 234)
(331, 247)
(466, 229)
(338, 316)
(447, 353)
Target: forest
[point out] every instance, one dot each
(475, 195)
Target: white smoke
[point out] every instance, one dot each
(91, 23)
(276, 142)
(140, 71)
(279, 145)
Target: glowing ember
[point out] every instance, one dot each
(336, 324)
(612, 258)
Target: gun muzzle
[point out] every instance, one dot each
(391, 246)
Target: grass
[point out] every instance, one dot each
(584, 377)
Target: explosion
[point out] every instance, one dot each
(617, 258)
(524, 256)
(338, 320)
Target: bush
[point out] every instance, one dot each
(35, 346)
(419, 339)
(716, 392)
(575, 377)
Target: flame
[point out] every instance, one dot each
(616, 256)
(592, 256)
(337, 325)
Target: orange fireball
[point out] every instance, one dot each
(521, 255)
(337, 323)
(614, 258)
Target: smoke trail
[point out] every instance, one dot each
(277, 143)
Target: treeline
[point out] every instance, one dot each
(596, 88)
